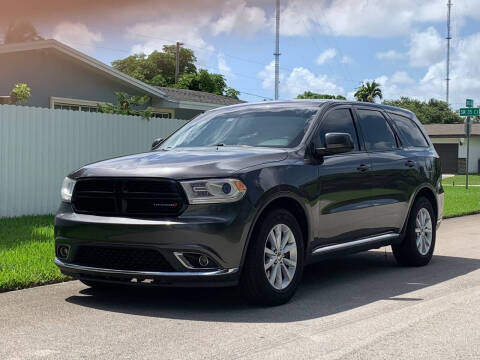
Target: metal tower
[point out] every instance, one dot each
(277, 50)
(449, 37)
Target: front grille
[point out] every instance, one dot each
(121, 258)
(128, 197)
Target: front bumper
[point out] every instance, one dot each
(220, 277)
(220, 235)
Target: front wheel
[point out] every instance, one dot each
(417, 247)
(275, 258)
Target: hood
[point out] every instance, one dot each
(183, 163)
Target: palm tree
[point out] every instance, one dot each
(369, 91)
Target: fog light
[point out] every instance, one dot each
(195, 261)
(63, 251)
(203, 260)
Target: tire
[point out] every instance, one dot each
(408, 253)
(254, 284)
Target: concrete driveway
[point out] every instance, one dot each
(358, 307)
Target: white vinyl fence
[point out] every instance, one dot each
(39, 147)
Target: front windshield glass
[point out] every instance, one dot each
(264, 127)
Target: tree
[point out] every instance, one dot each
(312, 95)
(431, 112)
(21, 92)
(158, 69)
(203, 81)
(22, 31)
(232, 93)
(368, 92)
(126, 105)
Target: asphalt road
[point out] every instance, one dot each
(359, 307)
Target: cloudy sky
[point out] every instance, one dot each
(327, 46)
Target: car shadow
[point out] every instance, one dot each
(329, 287)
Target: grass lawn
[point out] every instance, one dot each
(473, 179)
(460, 201)
(27, 252)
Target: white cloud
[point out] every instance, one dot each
(238, 17)
(374, 18)
(223, 68)
(297, 81)
(401, 77)
(267, 75)
(153, 36)
(326, 56)
(301, 79)
(76, 35)
(426, 47)
(464, 65)
(390, 55)
(346, 59)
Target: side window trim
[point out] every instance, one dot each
(361, 147)
(414, 124)
(387, 120)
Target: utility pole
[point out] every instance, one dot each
(177, 61)
(277, 49)
(449, 37)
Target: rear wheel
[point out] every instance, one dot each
(417, 247)
(275, 258)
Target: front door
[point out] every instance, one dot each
(344, 183)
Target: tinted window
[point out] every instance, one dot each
(376, 131)
(249, 126)
(338, 121)
(409, 131)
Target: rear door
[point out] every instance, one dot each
(393, 172)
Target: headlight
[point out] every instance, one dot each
(211, 191)
(67, 189)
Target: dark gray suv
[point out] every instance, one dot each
(249, 194)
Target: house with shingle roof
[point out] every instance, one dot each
(61, 77)
(451, 145)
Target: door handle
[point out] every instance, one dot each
(363, 167)
(410, 163)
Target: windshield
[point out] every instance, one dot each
(265, 127)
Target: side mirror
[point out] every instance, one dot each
(156, 143)
(336, 143)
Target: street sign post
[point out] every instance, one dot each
(469, 111)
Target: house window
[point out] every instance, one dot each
(73, 104)
(74, 107)
(162, 115)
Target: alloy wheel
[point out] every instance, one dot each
(423, 231)
(280, 256)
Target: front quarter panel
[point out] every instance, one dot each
(293, 178)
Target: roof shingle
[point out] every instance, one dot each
(450, 130)
(198, 96)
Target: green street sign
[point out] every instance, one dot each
(469, 103)
(469, 111)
